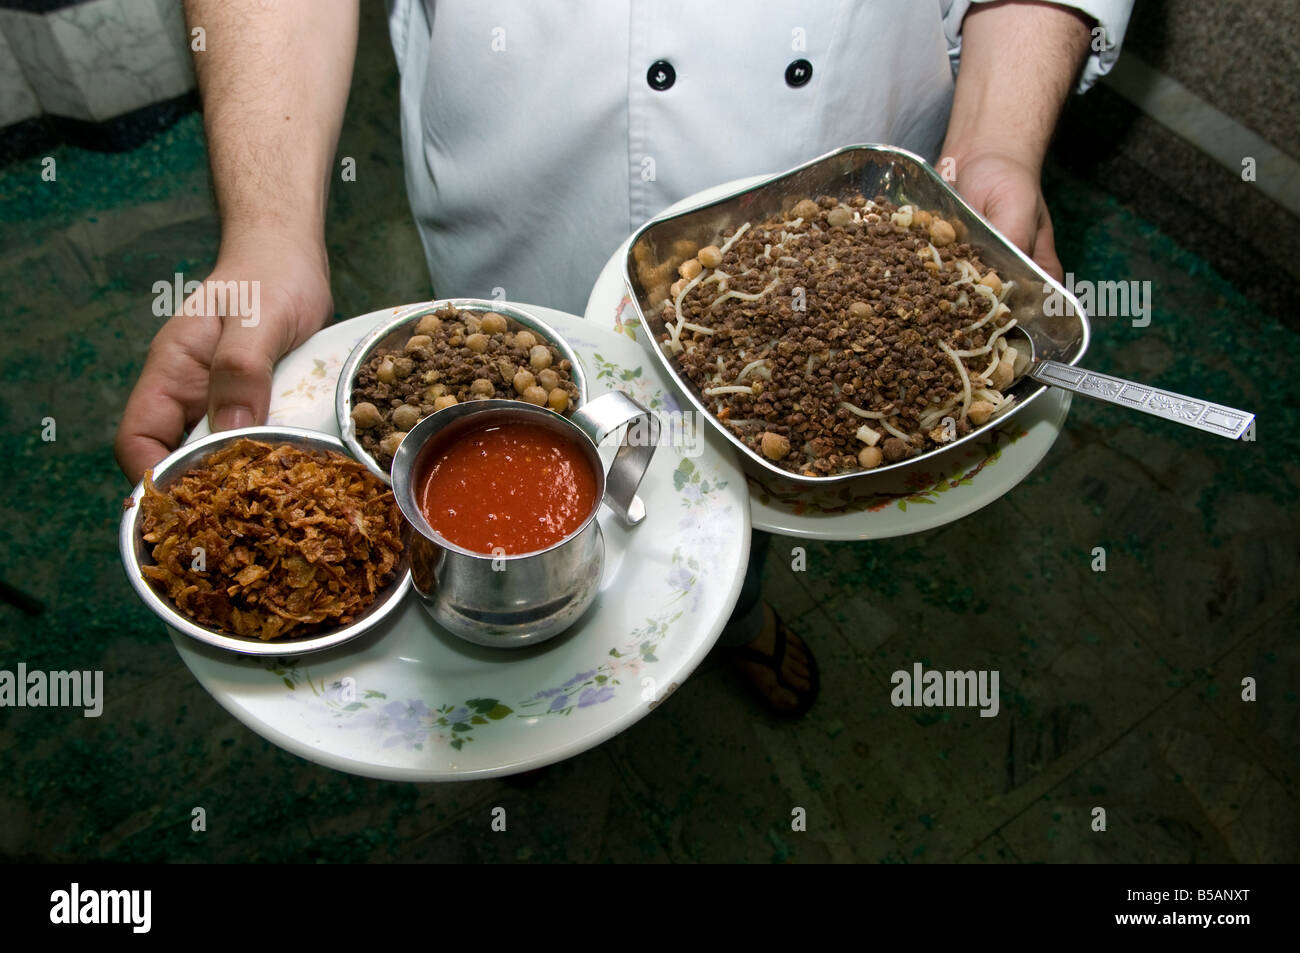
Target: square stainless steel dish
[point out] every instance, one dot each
(904, 179)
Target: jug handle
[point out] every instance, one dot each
(602, 416)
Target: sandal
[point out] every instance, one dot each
(773, 662)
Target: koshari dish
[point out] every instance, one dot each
(508, 489)
(839, 334)
(453, 356)
(292, 541)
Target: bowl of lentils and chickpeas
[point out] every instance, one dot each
(432, 356)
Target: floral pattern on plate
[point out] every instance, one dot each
(633, 382)
(415, 722)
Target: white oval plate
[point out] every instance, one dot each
(908, 500)
(410, 702)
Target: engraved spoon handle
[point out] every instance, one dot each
(1191, 411)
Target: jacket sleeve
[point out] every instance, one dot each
(1111, 15)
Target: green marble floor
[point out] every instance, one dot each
(1120, 689)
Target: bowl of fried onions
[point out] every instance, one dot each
(265, 541)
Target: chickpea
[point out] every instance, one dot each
(992, 282)
(366, 415)
(979, 412)
(525, 339)
(445, 401)
(472, 322)
(523, 380)
(434, 391)
(540, 357)
(386, 372)
(429, 325)
(869, 458)
(806, 208)
(677, 287)
(418, 341)
(690, 268)
(549, 379)
(921, 217)
(482, 387)
(403, 368)
(775, 446)
(558, 400)
(388, 446)
(406, 417)
(838, 217)
(493, 324)
(535, 395)
(941, 233)
(710, 256)
(1003, 375)
(860, 309)
(477, 342)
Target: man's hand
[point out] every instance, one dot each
(274, 79)
(1019, 61)
(210, 364)
(1008, 193)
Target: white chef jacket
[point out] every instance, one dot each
(538, 135)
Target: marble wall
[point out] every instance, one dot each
(92, 60)
(17, 99)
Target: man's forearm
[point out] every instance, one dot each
(274, 79)
(1019, 62)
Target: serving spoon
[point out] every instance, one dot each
(1189, 411)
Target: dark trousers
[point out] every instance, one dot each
(747, 618)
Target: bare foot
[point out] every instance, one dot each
(798, 669)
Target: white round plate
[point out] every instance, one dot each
(410, 702)
(907, 500)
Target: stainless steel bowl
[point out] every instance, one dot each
(136, 552)
(394, 333)
(903, 178)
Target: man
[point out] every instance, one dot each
(536, 136)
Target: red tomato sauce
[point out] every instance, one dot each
(514, 488)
